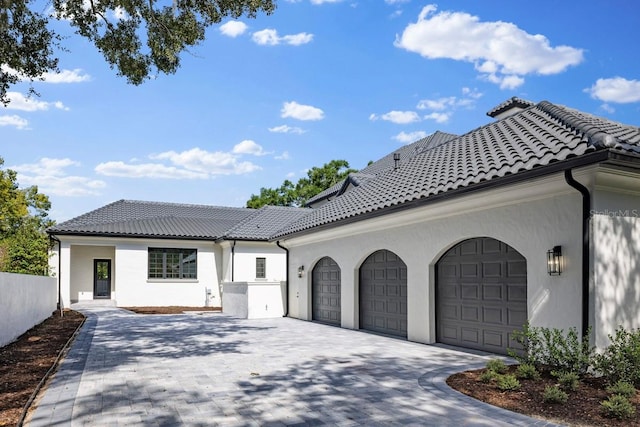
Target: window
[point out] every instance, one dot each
(173, 263)
(261, 268)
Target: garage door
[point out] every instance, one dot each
(481, 295)
(326, 291)
(383, 294)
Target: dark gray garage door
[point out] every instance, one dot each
(383, 294)
(326, 291)
(481, 294)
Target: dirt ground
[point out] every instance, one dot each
(582, 408)
(24, 362)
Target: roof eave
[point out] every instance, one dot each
(127, 235)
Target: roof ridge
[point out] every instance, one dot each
(150, 202)
(595, 135)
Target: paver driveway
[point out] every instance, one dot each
(211, 369)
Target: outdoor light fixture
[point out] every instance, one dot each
(554, 261)
(301, 271)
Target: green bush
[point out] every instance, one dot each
(487, 376)
(508, 382)
(618, 406)
(622, 388)
(553, 349)
(497, 365)
(527, 371)
(554, 394)
(621, 360)
(568, 381)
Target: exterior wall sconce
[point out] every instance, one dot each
(554, 261)
(301, 271)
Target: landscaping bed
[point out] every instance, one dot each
(24, 362)
(582, 408)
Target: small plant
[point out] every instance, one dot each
(552, 348)
(508, 382)
(527, 371)
(487, 376)
(622, 388)
(569, 381)
(497, 365)
(621, 360)
(554, 394)
(618, 406)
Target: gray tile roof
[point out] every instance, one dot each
(154, 219)
(508, 105)
(406, 152)
(264, 222)
(534, 138)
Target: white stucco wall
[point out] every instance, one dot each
(253, 300)
(245, 262)
(25, 301)
(615, 230)
(531, 218)
(130, 283)
(81, 286)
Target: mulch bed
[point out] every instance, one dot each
(174, 309)
(582, 409)
(24, 362)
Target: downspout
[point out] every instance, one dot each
(60, 306)
(233, 258)
(286, 283)
(586, 213)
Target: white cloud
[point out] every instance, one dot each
(500, 51)
(233, 28)
(249, 147)
(190, 164)
(616, 89)
(438, 117)
(397, 117)
(14, 120)
(18, 101)
(301, 112)
(270, 37)
(283, 156)
(66, 76)
(396, 1)
(409, 137)
(287, 129)
(51, 177)
(325, 1)
(146, 170)
(608, 108)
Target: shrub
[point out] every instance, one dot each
(568, 381)
(497, 365)
(527, 371)
(508, 382)
(554, 394)
(552, 348)
(622, 388)
(618, 406)
(487, 376)
(621, 360)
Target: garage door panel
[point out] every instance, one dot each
(383, 294)
(480, 307)
(325, 299)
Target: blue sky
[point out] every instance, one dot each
(263, 100)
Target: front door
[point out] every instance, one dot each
(102, 278)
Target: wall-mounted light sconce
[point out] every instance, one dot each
(554, 261)
(301, 271)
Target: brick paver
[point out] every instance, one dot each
(212, 369)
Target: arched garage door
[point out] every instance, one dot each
(383, 294)
(325, 283)
(481, 293)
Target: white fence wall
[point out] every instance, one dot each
(25, 301)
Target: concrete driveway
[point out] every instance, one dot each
(212, 369)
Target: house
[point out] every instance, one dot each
(159, 254)
(530, 218)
